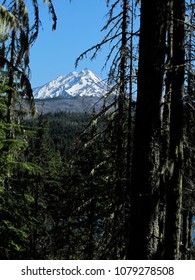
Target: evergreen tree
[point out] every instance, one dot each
(120, 126)
(144, 225)
(62, 198)
(175, 184)
(16, 37)
(188, 175)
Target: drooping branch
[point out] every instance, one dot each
(18, 36)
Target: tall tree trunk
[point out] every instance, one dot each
(165, 139)
(129, 128)
(144, 224)
(120, 149)
(174, 187)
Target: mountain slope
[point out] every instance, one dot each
(84, 83)
(79, 104)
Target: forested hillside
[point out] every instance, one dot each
(116, 183)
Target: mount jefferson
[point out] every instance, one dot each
(84, 83)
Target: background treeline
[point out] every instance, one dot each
(35, 208)
(118, 184)
(62, 201)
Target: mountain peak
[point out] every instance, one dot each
(83, 83)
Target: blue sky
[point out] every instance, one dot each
(78, 28)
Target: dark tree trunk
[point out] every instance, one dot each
(120, 148)
(174, 186)
(129, 130)
(144, 223)
(186, 235)
(165, 139)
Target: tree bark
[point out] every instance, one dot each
(174, 187)
(144, 223)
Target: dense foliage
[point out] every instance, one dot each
(115, 184)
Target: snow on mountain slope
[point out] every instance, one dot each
(84, 83)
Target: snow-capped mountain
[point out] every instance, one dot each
(84, 83)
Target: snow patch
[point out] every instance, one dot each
(84, 83)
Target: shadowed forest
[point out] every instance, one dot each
(116, 183)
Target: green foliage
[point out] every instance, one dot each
(65, 180)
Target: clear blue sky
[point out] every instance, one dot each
(78, 28)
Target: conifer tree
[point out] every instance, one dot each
(118, 29)
(175, 184)
(16, 38)
(144, 225)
